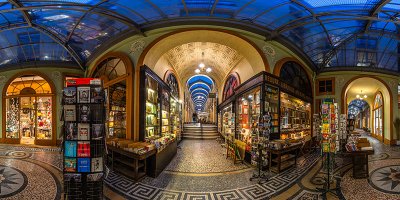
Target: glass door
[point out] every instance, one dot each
(44, 117)
(27, 120)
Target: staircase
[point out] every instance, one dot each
(200, 132)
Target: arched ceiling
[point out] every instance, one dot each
(328, 34)
(186, 58)
(200, 86)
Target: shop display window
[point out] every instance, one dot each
(295, 117)
(378, 115)
(29, 109)
(249, 110)
(228, 122)
(271, 106)
(113, 71)
(152, 108)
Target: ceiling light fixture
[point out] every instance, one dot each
(361, 96)
(202, 66)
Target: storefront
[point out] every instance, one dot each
(288, 108)
(175, 105)
(29, 111)
(115, 70)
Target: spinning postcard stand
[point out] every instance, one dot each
(260, 140)
(84, 138)
(329, 142)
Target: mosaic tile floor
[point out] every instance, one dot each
(201, 171)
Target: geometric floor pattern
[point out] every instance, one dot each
(275, 185)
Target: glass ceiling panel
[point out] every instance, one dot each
(322, 29)
(27, 44)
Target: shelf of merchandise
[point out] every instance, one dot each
(283, 158)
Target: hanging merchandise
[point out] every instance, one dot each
(261, 130)
(84, 146)
(330, 140)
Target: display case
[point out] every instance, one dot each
(248, 114)
(116, 109)
(228, 121)
(155, 118)
(175, 118)
(295, 117)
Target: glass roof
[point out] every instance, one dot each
(200, 87)
(355, 107)
(328, 33)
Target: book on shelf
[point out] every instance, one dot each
(83, 131)
(97, 131)
(94, 177)
(70, 164)
(73, 177)
(69, 113)
(71, 131)
(69, 95)
(83, 94)
(97, 113)
(96, 95)
(83, 149)
(97, 164)
(83, 164)
(70, 148)
(84, 113)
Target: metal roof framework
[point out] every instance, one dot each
(325, 33)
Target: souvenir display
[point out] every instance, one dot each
(160, 123)
(84, 139)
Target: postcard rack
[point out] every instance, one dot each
(84, 138)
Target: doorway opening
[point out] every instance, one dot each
(29, 107)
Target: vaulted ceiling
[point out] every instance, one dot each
(326, 33)
(186, 58)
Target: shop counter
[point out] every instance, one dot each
(281, 159)
(157, 162)
(128, 163)
(360, 163)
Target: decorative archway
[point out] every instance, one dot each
(29, 110)
(386, 124)
(231, 83)
(172, 81)
(295, 72)
(116, 70)
(378, 115)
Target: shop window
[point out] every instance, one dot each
(326, 86)
(293, 74)
(173, 84)
(29, 108)
(232, 82)
(113, 71)
(378, 114)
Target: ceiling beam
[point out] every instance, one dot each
(213, 7)
(163, 15)
(185, 7)
(374, 12)
(242, 8)
(81, 18)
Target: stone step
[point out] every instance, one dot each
(199, 137)
(200, 134)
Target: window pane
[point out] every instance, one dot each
(12, 118)
(44, 116)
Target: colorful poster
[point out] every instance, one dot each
(70, 164)
(70, 149)
(83, 164)
(83, 149)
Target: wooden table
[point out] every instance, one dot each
(360, 163)
(275, 157)
(128, 163)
